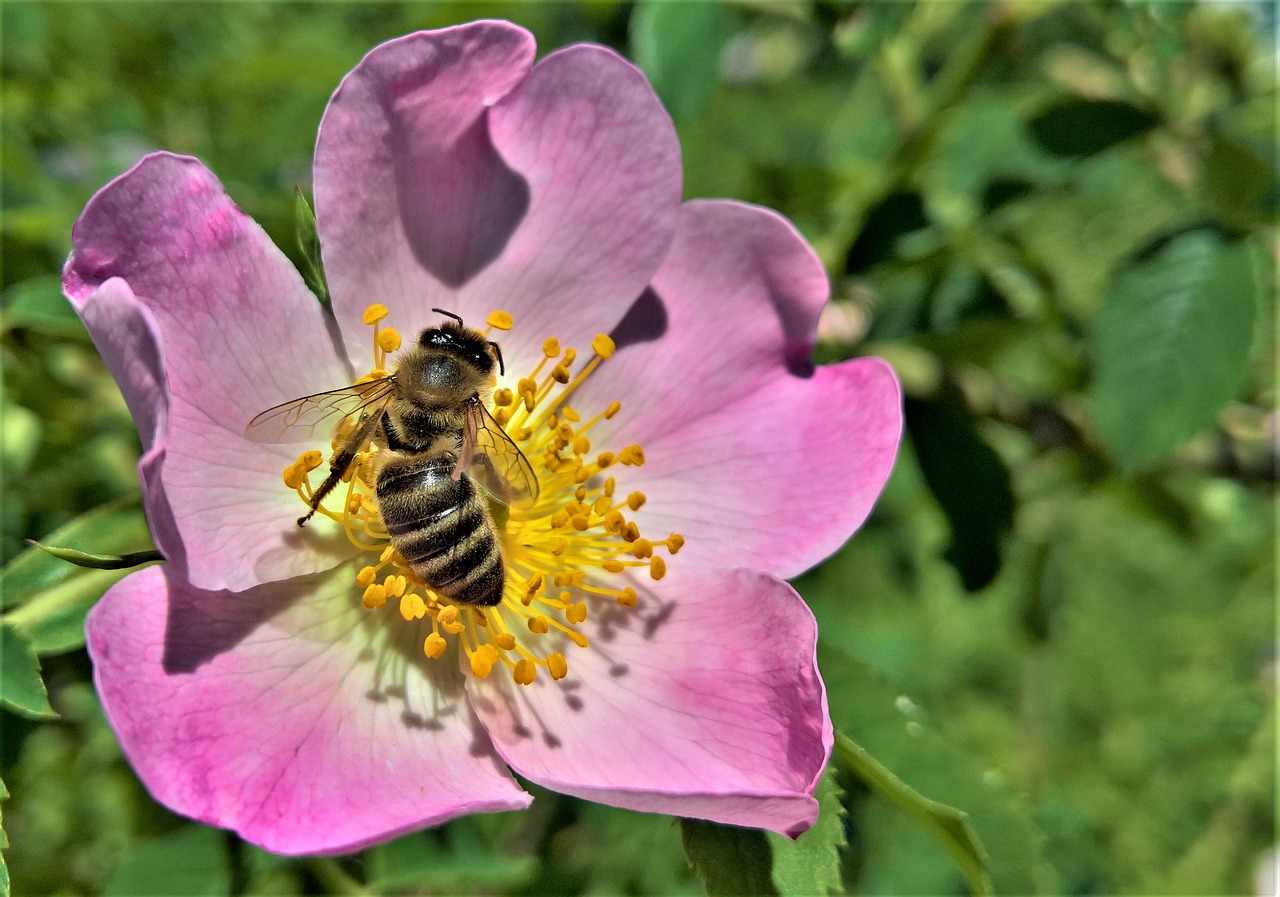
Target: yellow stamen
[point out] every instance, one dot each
(575, 547)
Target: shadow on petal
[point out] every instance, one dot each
(459, 204)
(645, 321)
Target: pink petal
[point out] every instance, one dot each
(780, 479)
(289, 713)
(752, 455)
(704, 700)
(237, 331)
(449, 175)
(129, 340)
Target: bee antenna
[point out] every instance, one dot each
(447, 314)
(497, 350)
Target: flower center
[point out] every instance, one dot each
(576, 547)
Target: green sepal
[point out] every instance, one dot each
(730, 861)
(811, 864)
(53, 596)
(309, 244)
(100, 561)
(946, 825)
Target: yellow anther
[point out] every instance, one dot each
(642, 548)
(609, 483)
(632, 454)
(534, 583)
(570, 414)
(563, 578)
(389, 339)
(481, 664)
(612, 566)
(500, 320)
(581, 522)
(374, 313)
(604, 460)
(503, 397)
(559, 519)
(387, 554)
(675, 542)
(538, 625)
(630, 532)
(602, 345)
(614, 521)
(559, 546)
(295, 476)
(560, 373)
(505, 640)
(601, 506)
(448, 614)
(525, 672)
(581, 445)
(564, 597)
(551, 347)
(374, 597)
(354, 503)
(627, 597)
(407, 607)
(657, 567)
(636, 500)
(575, 613)
(569, 355)
(579, 639)
(311, 460)
(556, 665)
(565, 432)
(366, 576)
(434, 646)
(614, 408)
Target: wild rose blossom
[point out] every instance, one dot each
(298, 685)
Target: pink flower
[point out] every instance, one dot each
(251, 686)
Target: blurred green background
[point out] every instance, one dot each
(1055, 219)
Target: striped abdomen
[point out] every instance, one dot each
(442, 527)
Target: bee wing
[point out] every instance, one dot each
(304, 419)
(495, 462)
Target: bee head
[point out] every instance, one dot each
(468, 344)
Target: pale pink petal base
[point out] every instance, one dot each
(289, 714)
(237, 331)
(707, 704)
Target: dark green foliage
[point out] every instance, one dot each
(731, 862)
(1057, 629)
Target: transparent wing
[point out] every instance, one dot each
(313, 418)
(495, 462)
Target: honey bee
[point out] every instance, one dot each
(440, 453)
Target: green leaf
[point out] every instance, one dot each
(730, 861)
(970, 482)
(1077, 127)
(457, 858)
(891, 729)
(1171, 344)
(946, 825)
(54, 595)
(309, 243)
(678, 46)
(810, 865)
(21, 688)
(38, 304)
(191, 862)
